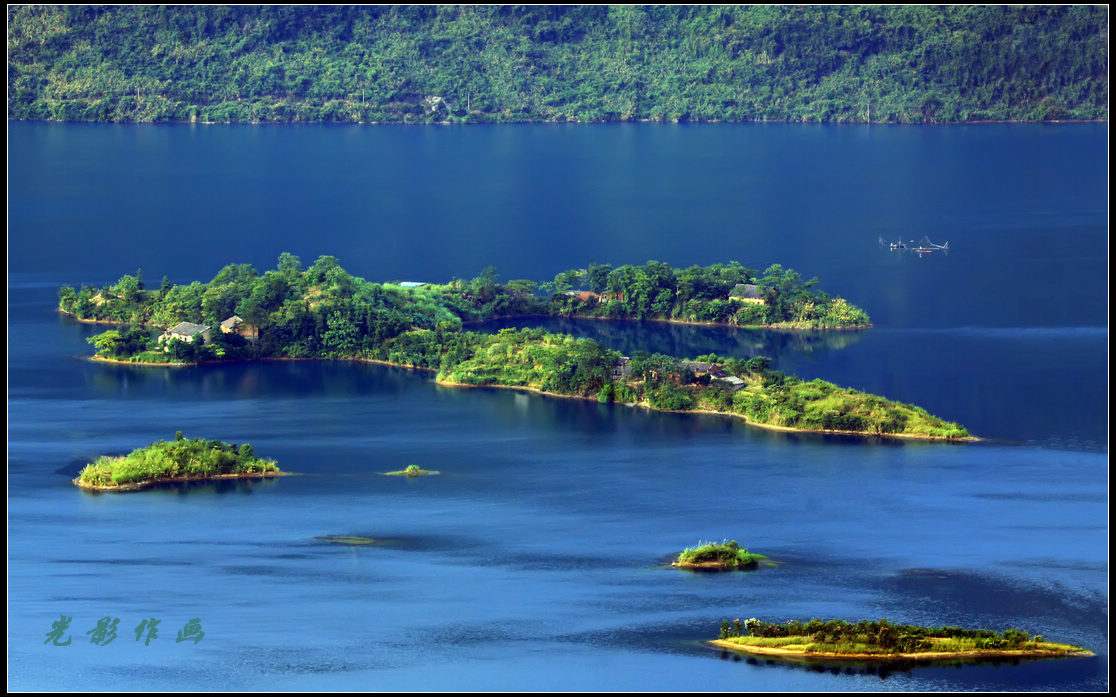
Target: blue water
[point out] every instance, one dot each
(536, 560)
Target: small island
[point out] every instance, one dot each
(412, 471)
(881, 640)
(722, 556)
(179, 460)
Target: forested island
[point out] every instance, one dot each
(883, 640)
(588, 63)
(324, 312)
(179, 460)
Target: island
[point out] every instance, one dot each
(718, 556)
(179, 460)
(881, 640)
(323, 312)
(412, 471)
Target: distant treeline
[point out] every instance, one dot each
(415, 64)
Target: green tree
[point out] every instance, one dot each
(106, 343)
(342, 336)
(127, 288)
(598, 277)
(289, 264)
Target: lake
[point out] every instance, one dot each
(537, 559)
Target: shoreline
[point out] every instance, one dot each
(773, 427)
(117, 361)
(118, 323)
(920, 656)
(698, 122)
(136, 486)
(647, 406)
(780, 326)
(714, 566)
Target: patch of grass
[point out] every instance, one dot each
(411, 471)
(726, 554)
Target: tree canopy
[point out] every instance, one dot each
(585, 63)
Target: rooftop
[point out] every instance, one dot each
(187, 329)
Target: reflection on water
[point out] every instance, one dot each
(245, 487)
(245, 379)
(685, 340)
(882, 669)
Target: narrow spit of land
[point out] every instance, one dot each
(881, 640)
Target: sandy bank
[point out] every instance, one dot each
(797, 652)
(135, 486)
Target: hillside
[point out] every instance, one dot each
(416, 64)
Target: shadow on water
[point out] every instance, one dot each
(998, 597)
(414, 543)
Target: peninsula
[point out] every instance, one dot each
(713, 556)
(179, 460)
(881, 640)
(324, 312)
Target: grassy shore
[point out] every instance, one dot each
(411, 471)
(802, 647)
(180, 460)
(883, 640)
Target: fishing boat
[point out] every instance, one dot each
(924, 246)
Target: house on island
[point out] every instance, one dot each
(732, 382)
(412, 284)
(236, 325)
(622, 370)
(715, 374)
(583, 295)
(187, 331)
(747, 293)
(697, 366)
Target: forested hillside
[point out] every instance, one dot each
(417, 64)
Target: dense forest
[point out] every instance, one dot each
(325, 312)
(484, 64)
(288, 300)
